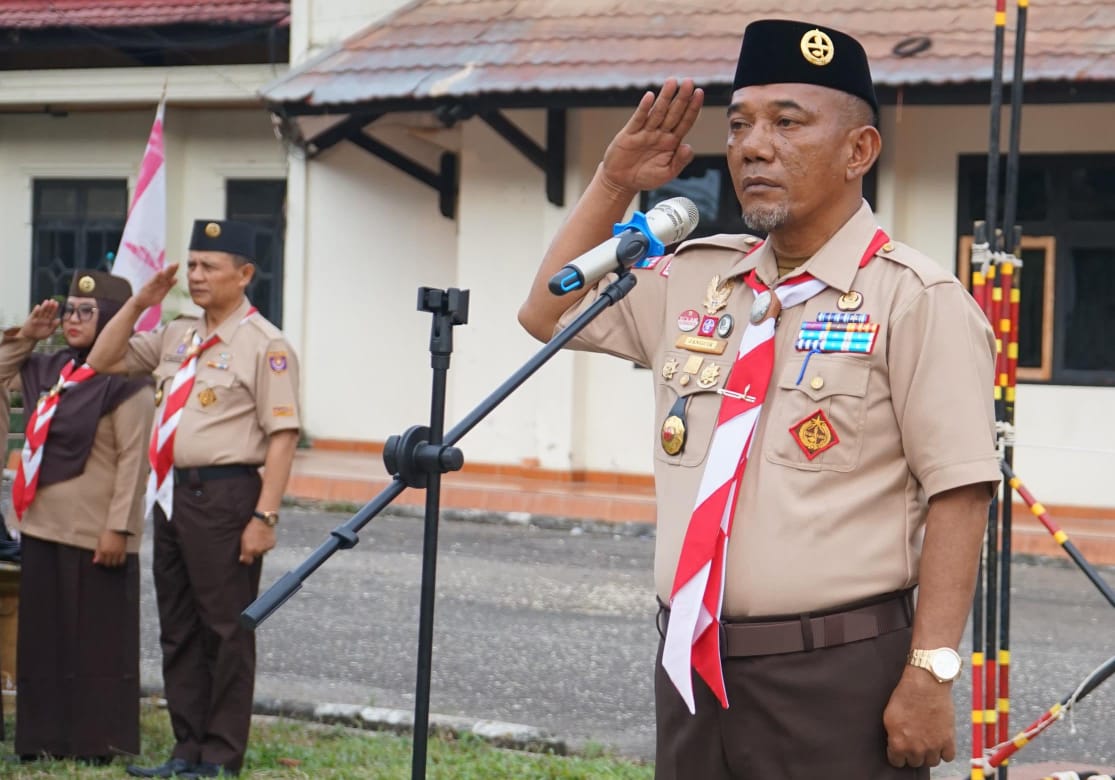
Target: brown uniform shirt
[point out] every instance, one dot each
(108, 494)
(911, 419)
(246, 387)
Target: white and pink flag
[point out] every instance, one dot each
(142, 249)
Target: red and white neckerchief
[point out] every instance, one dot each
(160, 482)
(37, 428)
(693, 634)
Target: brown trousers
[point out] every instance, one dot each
(797, 716)
(201, 587)
(78, 646)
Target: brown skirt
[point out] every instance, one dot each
(77, 661)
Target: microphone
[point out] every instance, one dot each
(646, 234)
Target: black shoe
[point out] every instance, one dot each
(207, 769)
(175, 767)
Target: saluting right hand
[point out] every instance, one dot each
(155, 289)
(650, 150)
(42, 321)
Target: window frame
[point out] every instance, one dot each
(81, 224)
(1044, 371)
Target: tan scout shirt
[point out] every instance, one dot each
(108, 494)
(913, 418)
(246, 387)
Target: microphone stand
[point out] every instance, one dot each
(422, 454)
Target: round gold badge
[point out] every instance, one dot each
(86, 284)
(817, 47)
(213, 230)
(850, 301)
(673, 435)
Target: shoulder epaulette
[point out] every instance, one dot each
(927, 270)
(741, 242)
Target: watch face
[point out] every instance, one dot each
(945, 664)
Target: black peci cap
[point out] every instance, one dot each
(214, 235)
(780, 51)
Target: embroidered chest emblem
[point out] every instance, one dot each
(814, 434)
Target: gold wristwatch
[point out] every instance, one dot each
(271, 518)
(943, 662)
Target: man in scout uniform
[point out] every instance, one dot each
(226, 388)
(826, 432)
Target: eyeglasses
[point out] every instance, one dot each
(84, 311)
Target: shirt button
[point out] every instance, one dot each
(816, 383)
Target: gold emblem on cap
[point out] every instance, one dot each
(213, 230)
(817, 47)
(86, 284)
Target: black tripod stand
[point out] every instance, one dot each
(421, 455)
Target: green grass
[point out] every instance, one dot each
(292, 749)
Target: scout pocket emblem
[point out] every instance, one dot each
(814, 434)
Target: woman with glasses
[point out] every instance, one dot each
(78, 495)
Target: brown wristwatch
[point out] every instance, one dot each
(271, 518)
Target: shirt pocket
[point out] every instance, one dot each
(216, 392)
(817, 424)
(702, 404)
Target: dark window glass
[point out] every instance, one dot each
(1033, 190)
(705, 182)
(76, 225)
(263, 203)
(1031, 308)
(1091, 190)
(1089, 303)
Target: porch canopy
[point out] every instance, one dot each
(459, 59)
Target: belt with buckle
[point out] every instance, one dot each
(801, 633)
(199, 474)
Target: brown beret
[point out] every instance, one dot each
(99, 284)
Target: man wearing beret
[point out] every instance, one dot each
(826, 432)
(227, 399)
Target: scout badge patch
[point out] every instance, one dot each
(814, 434)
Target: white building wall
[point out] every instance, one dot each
(372, 236)
(1062, 453)
(204, 148)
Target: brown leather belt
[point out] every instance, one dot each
(801, 633)
(195, 476)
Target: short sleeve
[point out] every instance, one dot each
(942, 366)
(629, 329)
(277, 388)
(144, 351)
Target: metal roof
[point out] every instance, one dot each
(42, 14)
(441, 50)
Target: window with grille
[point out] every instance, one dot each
(262, 202)
(76, 225)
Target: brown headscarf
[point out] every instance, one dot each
(80, 409)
